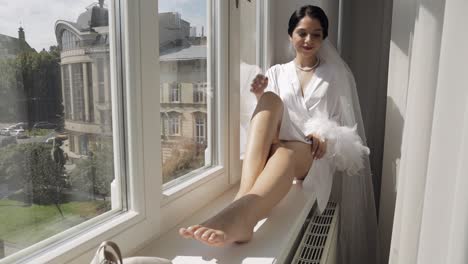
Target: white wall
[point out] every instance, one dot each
(402, 34)
(444, 224)
(430, 221)
(424, 59)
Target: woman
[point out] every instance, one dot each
(306, 113)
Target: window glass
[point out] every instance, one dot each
(58, 171)
(200, 128)
(183, 45)
(175, 93)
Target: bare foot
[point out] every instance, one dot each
(229, 226)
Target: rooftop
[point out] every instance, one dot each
(191, 53)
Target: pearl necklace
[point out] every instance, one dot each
(308, 69)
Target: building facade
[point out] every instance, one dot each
(183, 86)
(84, 60)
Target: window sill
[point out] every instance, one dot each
(191, 183)
(272, 240)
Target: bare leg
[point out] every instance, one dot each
(235, 223)
(263, 132)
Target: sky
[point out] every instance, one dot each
(38, 17)
(193, 11)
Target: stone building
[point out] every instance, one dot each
(86, 89)
(183, 85)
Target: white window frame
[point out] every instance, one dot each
(151, 211)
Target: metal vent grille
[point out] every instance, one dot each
(314, 241)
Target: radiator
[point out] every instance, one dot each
(320, 240)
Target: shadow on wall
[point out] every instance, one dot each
(393, 143)
(403, 25)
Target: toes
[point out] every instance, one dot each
(210, 237)
(217, 237)
(206, 235)
(184, 233)
(200, 232)
(189, 232)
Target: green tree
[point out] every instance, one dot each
(30, 86)
(30, 168)
(95, 173)
(10, 110)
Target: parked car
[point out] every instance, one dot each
(7, 131)
(20, 133)
(44, 125)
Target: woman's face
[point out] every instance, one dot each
(307, 37)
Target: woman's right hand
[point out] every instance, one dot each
(259, 83)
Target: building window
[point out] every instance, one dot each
(200, 129)
(83, 143)
(199, 93)
(69, 41)
(71, 143)
(78, 96)
(66, 90)
(174, 125)
(89, 69)
(101, 80)
(174, 95)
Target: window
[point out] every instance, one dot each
(187, 56)
(137, 157)
(174, 125)
(84, 143)
(77, 88)
(200, 129)
(174, 96)
(69, 41)
(66, 87)
(89, 69)
(56, 181)
(71, 143)
(100, 79)
(199, 93)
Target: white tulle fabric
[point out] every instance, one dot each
(330, 109)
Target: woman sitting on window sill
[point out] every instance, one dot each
(306, 125)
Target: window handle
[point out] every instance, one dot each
(237, 3)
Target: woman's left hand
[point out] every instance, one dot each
(318, 146)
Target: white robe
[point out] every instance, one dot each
(319, 111)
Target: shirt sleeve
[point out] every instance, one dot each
(272, 75)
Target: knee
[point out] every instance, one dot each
(270, 102)
(271, 99)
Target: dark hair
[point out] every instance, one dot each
(312, 12)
